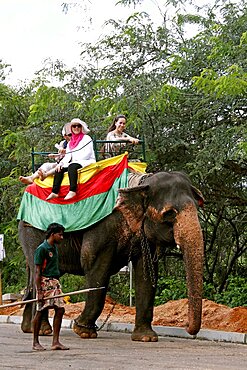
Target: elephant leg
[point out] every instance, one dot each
(26, 325)
(28, 314)
(84, 324)
(45, 328)
(145, 293)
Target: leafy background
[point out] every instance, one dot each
(185, 96)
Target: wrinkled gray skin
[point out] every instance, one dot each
(163, 209)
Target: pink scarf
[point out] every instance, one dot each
(75, 139)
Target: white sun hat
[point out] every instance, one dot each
(85, 128)
(66, 129)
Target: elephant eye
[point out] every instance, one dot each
(169, 216)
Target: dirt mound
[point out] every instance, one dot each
(173, 313)
(214, 316)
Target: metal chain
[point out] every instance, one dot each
(148, 265)
(144, 177)
(130, 251)
(107, 317)
(148, 261)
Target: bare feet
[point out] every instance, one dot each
(26, 180)
(52, 196)
(42, 174)
(59, 346)
(70, 195)
(38, 347)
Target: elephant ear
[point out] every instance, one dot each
(198, 196)
(132, 203)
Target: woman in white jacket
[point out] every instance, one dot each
(79, 153)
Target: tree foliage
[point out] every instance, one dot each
(186, 95)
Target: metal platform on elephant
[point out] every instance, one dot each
(135, 152)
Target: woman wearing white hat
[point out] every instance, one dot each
(79, 153)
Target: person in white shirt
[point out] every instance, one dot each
(116, 133)
(48, 168)
(79, 153)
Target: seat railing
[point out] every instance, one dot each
(136, 151)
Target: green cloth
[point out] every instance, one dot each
(76, 216)
(46, 255)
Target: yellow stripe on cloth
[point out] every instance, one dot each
(138, 166)
(85, 173)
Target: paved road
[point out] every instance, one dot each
(111, 351)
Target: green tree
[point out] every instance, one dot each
(187, 95)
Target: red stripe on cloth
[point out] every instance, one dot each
(97, 184)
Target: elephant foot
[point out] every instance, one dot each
(144, 335)
(26, 327)
(85, 332)
(26, 324)
(45, 329)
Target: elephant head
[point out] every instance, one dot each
(165, 208)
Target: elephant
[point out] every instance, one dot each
(159, 213)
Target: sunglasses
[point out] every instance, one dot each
(68, 134)
(78, 126)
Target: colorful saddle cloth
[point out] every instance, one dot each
(95, 197)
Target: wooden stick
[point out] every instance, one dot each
(55, 296)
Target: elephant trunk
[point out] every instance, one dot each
(188, 236)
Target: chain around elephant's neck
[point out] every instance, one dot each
(148, 263)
